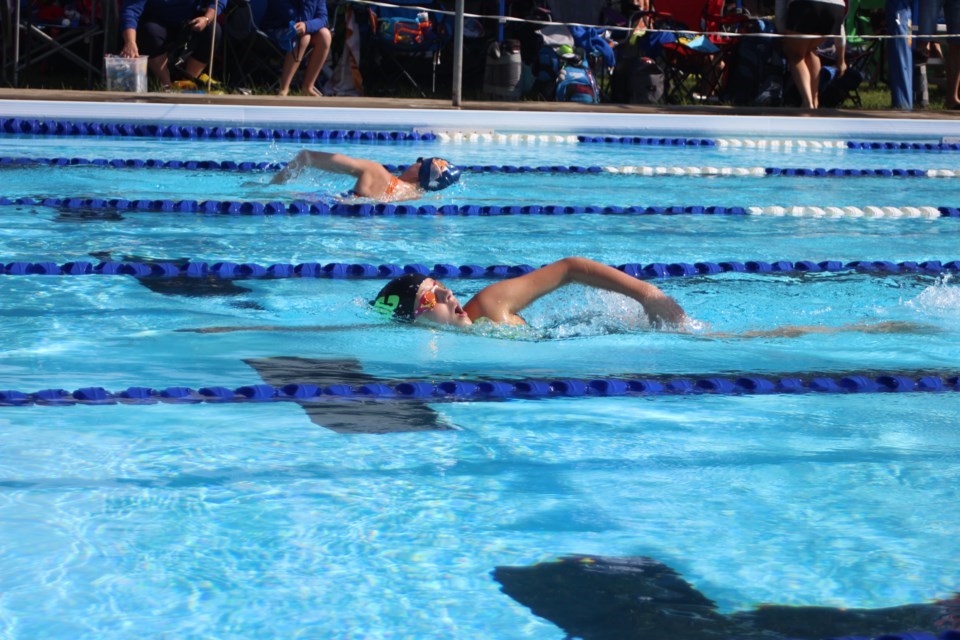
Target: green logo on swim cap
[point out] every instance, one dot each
(387, 305)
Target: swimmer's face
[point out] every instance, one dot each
(436, 304)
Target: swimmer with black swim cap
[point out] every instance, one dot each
(373, 179)
(421, 299)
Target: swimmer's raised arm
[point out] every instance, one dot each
(332, 162)
(502, 301)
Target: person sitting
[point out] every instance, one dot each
(295, 25)
(151, 27)
(373, 179)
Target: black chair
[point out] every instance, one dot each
(252, 59)
(30, 38)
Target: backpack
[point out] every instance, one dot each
(637, 80)
(575, 83)
(756, 74)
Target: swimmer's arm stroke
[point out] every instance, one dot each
(502, 301)
(332, 162)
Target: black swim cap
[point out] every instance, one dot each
(399, 297)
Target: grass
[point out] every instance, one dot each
(873, 98)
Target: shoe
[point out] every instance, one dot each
(204, 79)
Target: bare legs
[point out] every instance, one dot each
(318, 55)
(161, 70)
(952, 90)
(804, 64)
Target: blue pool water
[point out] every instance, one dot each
(252, 520)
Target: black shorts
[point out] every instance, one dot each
(156, 38)
(815, 18)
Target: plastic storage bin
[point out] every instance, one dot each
(126, 74)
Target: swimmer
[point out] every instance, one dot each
(373, 179)
(424, 300)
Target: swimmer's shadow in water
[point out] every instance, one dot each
(349, 416)
(604, 598)
(207, 286)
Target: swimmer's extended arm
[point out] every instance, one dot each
(501, 301)
(332, 162)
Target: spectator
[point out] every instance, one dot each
(899, 15)
(153, 27)
(929, 12)
(295, 25)
(810, 17)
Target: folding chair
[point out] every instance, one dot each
(251, 57)
(40, 33)
(409, 37)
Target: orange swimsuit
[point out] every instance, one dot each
(392, 186)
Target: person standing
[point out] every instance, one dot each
(929, 11)
(802, 19)
(899, 15)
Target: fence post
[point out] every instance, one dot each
(458, 55)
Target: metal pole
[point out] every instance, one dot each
(213, 42)
(458, 54)
(503, 12)
(16, 44)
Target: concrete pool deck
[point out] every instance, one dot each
(55, 95)
(478, 117)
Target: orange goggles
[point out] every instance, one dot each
(428, 300)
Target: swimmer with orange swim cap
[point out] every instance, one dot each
(373, 179)
(421, 299)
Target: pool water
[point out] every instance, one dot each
(255, 520)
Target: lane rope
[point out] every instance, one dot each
(484, 390)
(643, 170)
(337, 270)
(302, 207)
(15, 126)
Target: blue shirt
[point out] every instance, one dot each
(279, 14)
(163, 11)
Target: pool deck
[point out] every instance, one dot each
(445, 105)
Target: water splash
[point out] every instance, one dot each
(940, 300)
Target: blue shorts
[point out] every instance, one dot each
(930, 14)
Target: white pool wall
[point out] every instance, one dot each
(485, 120)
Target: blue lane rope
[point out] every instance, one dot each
(465, 390)
(302, 207)
(27, 126)
(53, 127)
(244, 166)
(337, 270)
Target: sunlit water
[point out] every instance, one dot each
(239, 521)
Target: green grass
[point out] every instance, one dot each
(873, 98)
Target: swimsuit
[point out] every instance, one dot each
(392, 186)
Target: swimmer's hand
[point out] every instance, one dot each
(796, 331)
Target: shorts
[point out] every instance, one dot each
(930, 14)
(156, 38)
(815, 18)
